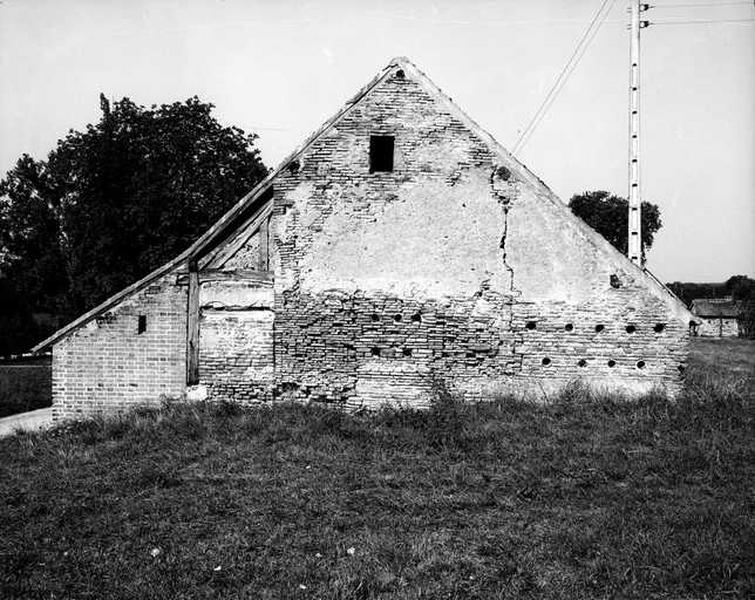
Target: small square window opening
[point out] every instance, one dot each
(381, 153)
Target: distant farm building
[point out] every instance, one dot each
(398, 249)
(717, 317)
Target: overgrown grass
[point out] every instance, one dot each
(585, 497)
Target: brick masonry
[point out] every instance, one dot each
(456, 268)
(107, 365)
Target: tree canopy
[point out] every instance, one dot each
(115, 201)
(608, 215)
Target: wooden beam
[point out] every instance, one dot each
(247, 275)
(192, 326)
(220, 255)
(264, 258)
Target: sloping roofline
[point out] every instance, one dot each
(214, 234)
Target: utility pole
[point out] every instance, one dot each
(634, 239)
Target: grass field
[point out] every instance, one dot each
(25, 386)
(581, 498)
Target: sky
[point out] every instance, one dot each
(280, 68)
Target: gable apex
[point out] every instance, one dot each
(259, 197)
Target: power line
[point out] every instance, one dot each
(702, 21)
(701, 4)
(563, 76)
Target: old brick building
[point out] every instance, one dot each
(398, 246)
(717, 317)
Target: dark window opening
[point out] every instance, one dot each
(659, 327)
(141, 326)
(416, 317)
(611, 363)
(599, 328)
(640, 364)
(375, 351)
(531, 325)
(582, 362)
(407, 352)
(546, 361)
(381, 153)
(397, 317)
(375, 317)
(569, 327)
(631, 329)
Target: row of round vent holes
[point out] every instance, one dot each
(583, 363)
(416, 317)
(658, 327)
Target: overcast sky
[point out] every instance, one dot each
(280, 68)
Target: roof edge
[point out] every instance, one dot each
(525, 174)
(222, 224)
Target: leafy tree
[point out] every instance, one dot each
(113, 202)
(608, 215)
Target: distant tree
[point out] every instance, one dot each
(742, 289)
(118, 199)
(608, 215)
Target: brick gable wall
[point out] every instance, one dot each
(389, 282)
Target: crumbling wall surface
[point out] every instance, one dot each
(387, 281)
(584, 312)
(236, 339)
(108, 365)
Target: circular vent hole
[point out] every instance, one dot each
(531, 325)
(375, 317)
(582, 362)
(611, 363)
(599, 328)
(407, 351)
(681, 368)
(416, 318)
(640, 364)
(569, 327)
(397, 318)
(546, 361)
(375, 351)
(659, 327)
(631, 328)
(400, 74)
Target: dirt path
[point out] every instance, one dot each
(35, 419)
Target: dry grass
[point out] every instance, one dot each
(585, 497)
